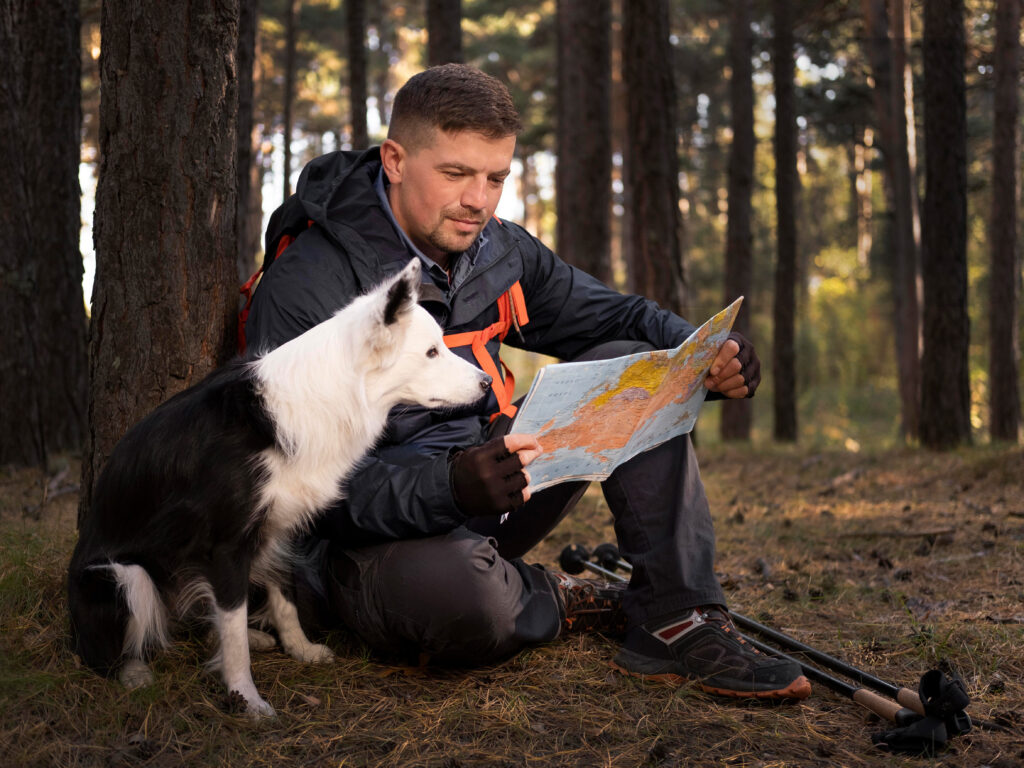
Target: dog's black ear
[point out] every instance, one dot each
(403, 293)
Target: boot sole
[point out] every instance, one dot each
(800, 688)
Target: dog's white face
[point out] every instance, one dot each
(412, 364)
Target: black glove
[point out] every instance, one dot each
(750, 363)
(487, 479)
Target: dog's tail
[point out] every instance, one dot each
(116, 613)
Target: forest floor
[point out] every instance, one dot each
(894, 561)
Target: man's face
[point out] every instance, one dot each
(443, 194)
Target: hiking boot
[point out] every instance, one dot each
(704, 646)
(590, 605)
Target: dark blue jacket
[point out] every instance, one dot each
(402, 489)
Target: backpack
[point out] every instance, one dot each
(286, 224)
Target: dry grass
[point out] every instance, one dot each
(892, 561)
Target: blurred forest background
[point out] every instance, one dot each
(851, 166)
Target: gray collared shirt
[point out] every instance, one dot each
(462, 263)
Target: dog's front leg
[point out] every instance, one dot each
(232, 629)
(228, 573)
(286, 621)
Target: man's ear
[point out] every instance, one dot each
(392, 157)
(402, 293)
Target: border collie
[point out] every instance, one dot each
(203, 496)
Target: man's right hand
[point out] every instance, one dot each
(489, 479)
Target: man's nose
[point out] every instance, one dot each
(475, 194)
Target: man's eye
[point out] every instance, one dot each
(432, 352)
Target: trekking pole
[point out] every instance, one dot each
(608, 556)
(575, 558)
(908, 698)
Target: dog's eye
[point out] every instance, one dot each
(432, 352)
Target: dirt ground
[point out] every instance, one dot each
(897, 562)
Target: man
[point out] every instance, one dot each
(419, 558)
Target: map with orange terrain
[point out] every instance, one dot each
(591, 417)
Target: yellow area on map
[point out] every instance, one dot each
(646, 374)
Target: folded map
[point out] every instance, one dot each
(591, 417)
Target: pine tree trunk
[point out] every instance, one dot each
(1004, 275)
(250, 194)
(583, 172)
(736, 414)
(651, 163)
(444, 31)
(357, 89)
(164, 302)
(786, 183)
(907, 222)
(291, 24)
(893, 97)
(945, 383)
(43, 362)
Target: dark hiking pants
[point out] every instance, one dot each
(467, 597)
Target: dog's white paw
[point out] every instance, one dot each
(135, 673)
(259, 709)
(261, 641)
(252, 705)
(313, 653)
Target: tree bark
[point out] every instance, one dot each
(907, 222)
(1004, 273)
(736, 414)
(583, 172)
(357, 88)
(250, 193)
(651, 163)
(893, 97)
(945, 382)
(444, 31)
(43, 360)
(166, 276)
(786, 184)
(291, 24)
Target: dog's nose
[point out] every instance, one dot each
(485, 383)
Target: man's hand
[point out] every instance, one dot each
(736, 371)
(489, 479)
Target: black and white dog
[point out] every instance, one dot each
(204, 494)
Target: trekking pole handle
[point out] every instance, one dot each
(881, 706)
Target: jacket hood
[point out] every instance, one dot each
(335, 178)
(337, 192)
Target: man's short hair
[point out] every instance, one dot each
(452, 98)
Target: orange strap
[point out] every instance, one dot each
(247, 289)
(511, 310)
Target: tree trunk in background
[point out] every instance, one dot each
(786, 182)
(43, 360)
(163, 313)
(907, 222)
(291, 23)
(444, 31)
(736, 414)
(945, 382)
(583, 172)
(357, 88)
(250, 194)
(893, 98)
(1004, 274)
(651, 163)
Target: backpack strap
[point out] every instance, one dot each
(247, 289)
(511, 311)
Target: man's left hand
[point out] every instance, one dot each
(736, 371)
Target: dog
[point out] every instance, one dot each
(202, 497)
